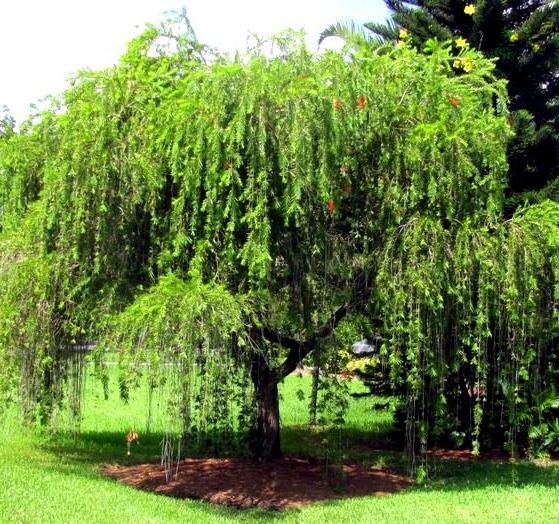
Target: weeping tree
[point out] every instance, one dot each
(225, 215)
(475, 345)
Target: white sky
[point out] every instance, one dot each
(43, 41)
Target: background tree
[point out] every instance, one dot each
(224, 216)
(523, 37)
(7, 122)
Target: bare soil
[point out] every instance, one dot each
(289, 482)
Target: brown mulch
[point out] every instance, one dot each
(467, 455)
(459, 454)
(289, 482)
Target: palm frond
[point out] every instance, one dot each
(347, 30)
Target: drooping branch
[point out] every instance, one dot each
(299, 349)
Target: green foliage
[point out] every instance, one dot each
(225, 213)
(173, 320)
(7, 122)
(458, 311)
(29, 325)
(178, 334)
(523, 36)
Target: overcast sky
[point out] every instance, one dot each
(43, 41)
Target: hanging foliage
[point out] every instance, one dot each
(472, 322)
(33, 342)
(226, 214)
(180, 335)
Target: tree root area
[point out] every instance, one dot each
(289, 482)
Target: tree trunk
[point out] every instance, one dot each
(266, 438)
(266, 442)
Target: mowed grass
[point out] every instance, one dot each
(57, 478)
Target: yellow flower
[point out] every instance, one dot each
(404, 33)
(457, 64)
(470, 9)
(400, 43)
(461, 42)
(467, 64)
(514, 37)
(536, 47)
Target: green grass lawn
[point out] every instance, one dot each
(57, 479)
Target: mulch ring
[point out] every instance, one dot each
(289, 482)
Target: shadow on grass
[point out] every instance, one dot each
(103, 447)
(348, 445)
(109, 447)
(344, 445)
(459, 475)
(86, 454)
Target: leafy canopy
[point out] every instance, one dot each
(523, 37)
(196, 205)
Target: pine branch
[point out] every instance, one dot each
(385, 31)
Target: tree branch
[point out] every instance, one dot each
(299, 349)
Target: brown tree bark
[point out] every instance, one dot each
(266, 440)
(266, 443)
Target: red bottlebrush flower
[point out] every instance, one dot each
(453, 101)
(361, 101)
(337, 103)
(331, 206)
